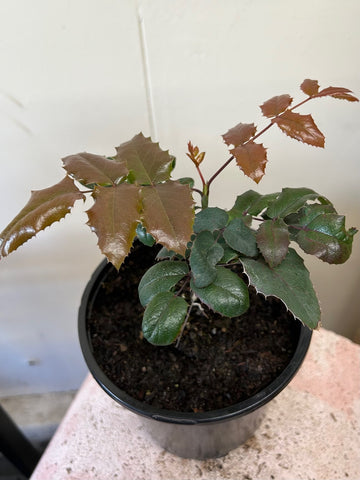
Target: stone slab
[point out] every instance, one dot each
(311, 432)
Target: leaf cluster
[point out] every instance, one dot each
(255, 233)
(134, 196)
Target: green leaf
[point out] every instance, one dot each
(164, 253)
(94, 169)
(240, 238)
(291, 200)
(229, 253)
(168, 214)
(323, 234)
(114, 218)
(251, 203)
(161, 277)
(227, 295)
(273, 241)
(187, 181)
(211, 219)
(205, 254)
(163, 318)
(144, 237)
(44, 208)
(305, 215)
(145, 159)
(289, 281)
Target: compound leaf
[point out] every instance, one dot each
(44, 208)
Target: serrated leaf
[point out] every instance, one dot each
(168, 214)
(251, 158)
(44, 208)
(240, 238)
(161, 277)
(94, 169)
(114, 217)
(324, 234)
(145, 159)
(273, 241)
(163, 318)
(227, 295)
(211, 219)
(291, 200)
(310, 87)
(337, 92)
(238, 135)
(301, 128)
(251, 203)
(289, 281)
(276, 105)
(205, 254)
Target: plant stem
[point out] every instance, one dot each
(251, 140)
(184, 325)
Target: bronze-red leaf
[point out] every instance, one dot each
(276, 105)
(44, 208)
(238, 135)
(301, 128)
(88, 168)
(310, 87)
(337, 92)
(252, 159)
(168, 214)
(114, 217)
(147, 162)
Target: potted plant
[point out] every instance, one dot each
(214, 300)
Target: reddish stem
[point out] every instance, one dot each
(252, 139)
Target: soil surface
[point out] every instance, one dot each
(219, 361)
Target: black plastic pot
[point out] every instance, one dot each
(190, 435)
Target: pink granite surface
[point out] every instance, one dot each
(311, 432)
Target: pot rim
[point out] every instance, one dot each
(238, 409)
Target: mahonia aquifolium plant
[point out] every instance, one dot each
(134, 196)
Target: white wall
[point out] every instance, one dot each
(72, 80)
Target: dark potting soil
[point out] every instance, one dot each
(218, 362)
